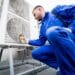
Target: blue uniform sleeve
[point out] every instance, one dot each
(39, 42)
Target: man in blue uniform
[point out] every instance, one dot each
(61, 49)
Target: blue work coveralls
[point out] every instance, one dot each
(61, 49)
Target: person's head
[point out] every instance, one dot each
(38, 12)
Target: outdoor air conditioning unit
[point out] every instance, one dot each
(14, 20)
(18, 21)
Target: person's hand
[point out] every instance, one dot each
(24, 41)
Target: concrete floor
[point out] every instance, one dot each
(48, 72)
(22, 67)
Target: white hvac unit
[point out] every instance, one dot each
(15, 20)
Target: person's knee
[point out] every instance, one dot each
(35, 54)
(54, 33)
(51, 33)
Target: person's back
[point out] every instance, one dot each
(66, 14)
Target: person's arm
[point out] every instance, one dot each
(39, 42)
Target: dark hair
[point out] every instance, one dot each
(37, 7)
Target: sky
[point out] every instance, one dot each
(49, 4)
